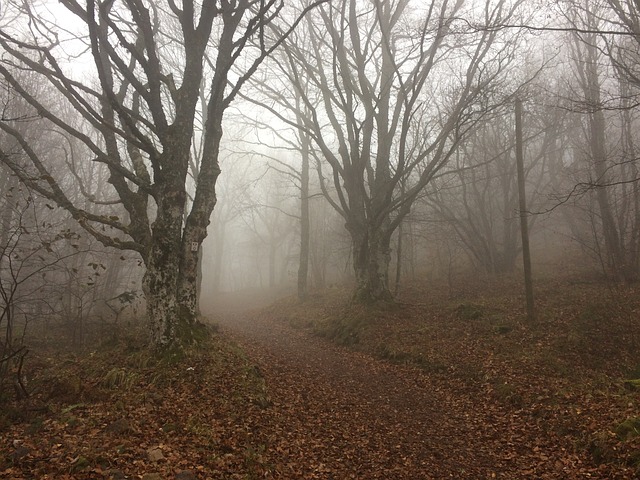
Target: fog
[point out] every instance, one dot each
(361, 158)
(279, 239)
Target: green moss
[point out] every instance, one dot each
(169, 427)
(171, 354)
(632, 385)
(35, 426)
(601, 448)
(187, 337)
(593, 314)
(628, 429)
(188, 333)
(79, 464)
(386, 352)
(633, 460)
(470, 311)
(256, 385)
(634, 372)
(344, 331)
(507, 393)
(502, 329)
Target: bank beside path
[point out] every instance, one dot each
(334, 413)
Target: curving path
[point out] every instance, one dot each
(338, 414)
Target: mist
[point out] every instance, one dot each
(334, 239)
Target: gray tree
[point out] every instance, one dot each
(390, 89)
(605, 145)
(137, 123)
(478, 197)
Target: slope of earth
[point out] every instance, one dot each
(441, 385)
(468, 388)
(118, 412)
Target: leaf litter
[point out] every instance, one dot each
(328, 390)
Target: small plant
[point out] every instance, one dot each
(257, 385)
(345, 331)
(502, 329)
(386, 352)
(119, 378)
(253, 456)
(601, 448)
(469, 311)
(628, 429)
(634, 373)
(507, 393)
(594, 314)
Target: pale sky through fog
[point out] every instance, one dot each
(68, 29)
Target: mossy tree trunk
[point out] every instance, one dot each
(139, 107)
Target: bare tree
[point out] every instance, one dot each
(138, 124)
(390, 89)
(605, 105)
(624, 50)
(269, 222)
(478, 195)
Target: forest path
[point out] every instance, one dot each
(338, 414)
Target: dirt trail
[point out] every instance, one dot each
(338, 414)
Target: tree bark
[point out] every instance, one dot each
(591, 84)
(371, 259)
(305, 224)
(524, 226)
(399, 255)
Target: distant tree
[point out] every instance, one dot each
(232, 201)
(390, 89)
(606, 143)
(287, 144)
(269, 223)
(136, 120)
(478, 195)
(624, 50)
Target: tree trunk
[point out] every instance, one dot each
(522, 202)
(318, 263)
(160, 282)
(218, 255)
(170, 281)
(610, 229)
(305, 226)
(371, 259)
(398, 260)
(597, 140)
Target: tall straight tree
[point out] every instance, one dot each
(390, 88)
(135, 118)
(604, 103)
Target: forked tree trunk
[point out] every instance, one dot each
(170, 289)
(170, 281)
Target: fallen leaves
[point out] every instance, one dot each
(451, 397)
(183, 421)
(507, 405)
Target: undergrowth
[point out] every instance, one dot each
(111, 400)
(584, 344)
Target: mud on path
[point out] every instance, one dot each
(338, 414)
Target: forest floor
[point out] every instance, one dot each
(444, 384)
